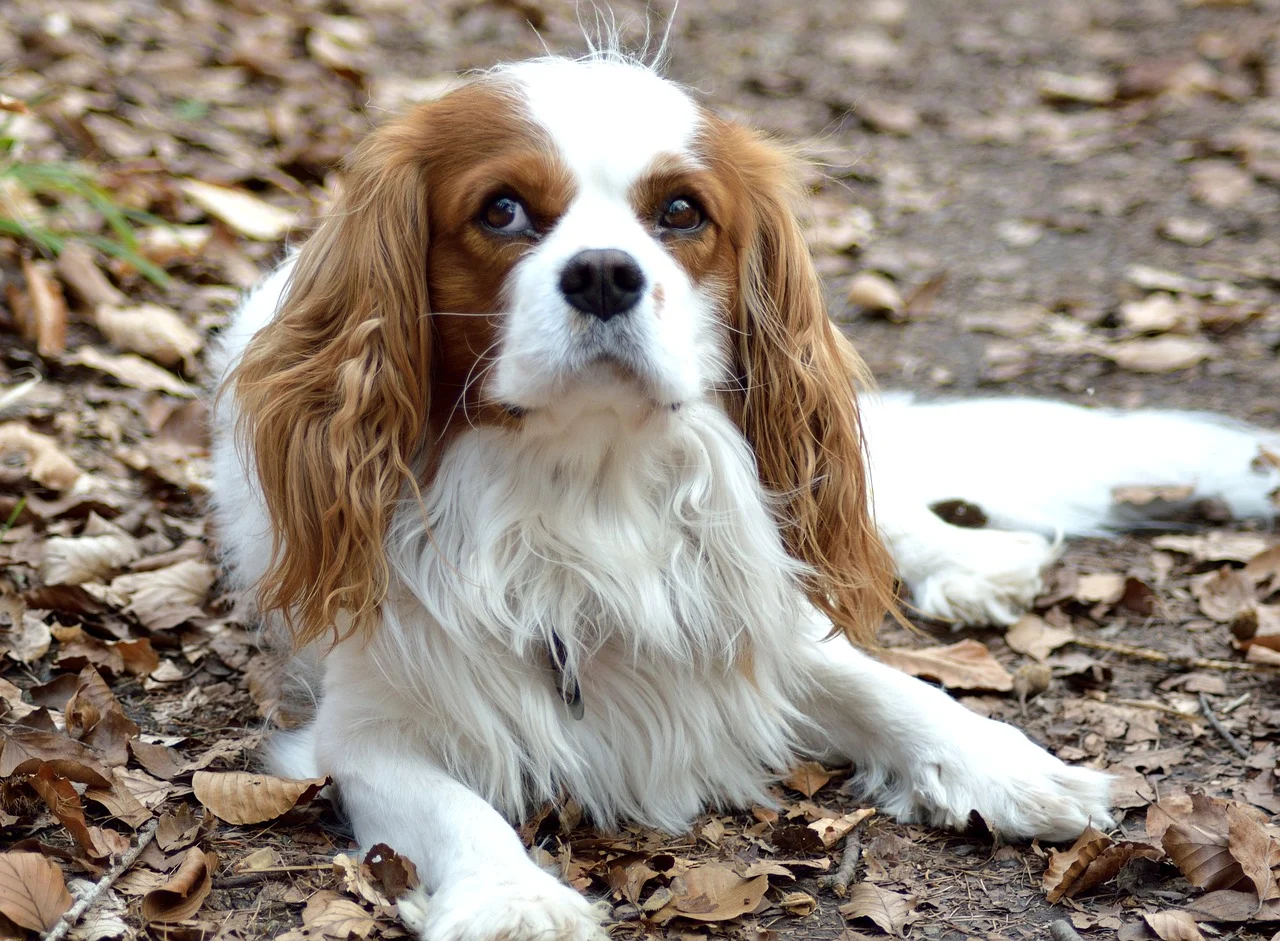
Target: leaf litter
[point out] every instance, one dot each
(131, 693)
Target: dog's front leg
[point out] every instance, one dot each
(478, 883)
(924, 757)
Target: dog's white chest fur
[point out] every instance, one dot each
(650, 554)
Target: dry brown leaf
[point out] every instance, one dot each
(1173, 925)
(64, 803)
(1093, 859)
(1223, 595)
(808, 778)
(800, 904)
(33, 893)
(831, 830)
(1215, 546)
(27, 640)
(1252, 847)
(889, 911)
(712, 892)
(78, 269)
(392, 874)
(965, 665)
(1231, 906)
(1198, 843)
(329, 915)
(132, 370)
(182, 895)
(44, 316)
(100, 550)
(240, 797)
(1167, 353)
(166, 597)
(46, 464)
(241, 210)
(1100, 588)
(1036, 638)
(151, 330)
(25, 752)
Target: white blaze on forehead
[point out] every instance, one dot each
(607, 119)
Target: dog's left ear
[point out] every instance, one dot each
(797, 404)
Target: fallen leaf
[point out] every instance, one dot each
(1167, 353)
(27, 640)
(1100, 588)
(797, 903)
(43, 318)
(964, 665)
(393, 875)
(889, 911)
(875, 292)
(1232, 906)
(78, 269)
(1215, 546)
(1173, 925)
(151, 330)
(240, 797)
(132, 370)
(1198, 843)
(1093, 859)
(1036, 638)
(1147, 495)
(1252, 847)
(247, 214)
(329, 915)
(166, 597)
(831, 830)
(46, 464)
(182, 895)
(808, 778)
(33, 893)
(1223, 595)
(712, 892)
(100, 550)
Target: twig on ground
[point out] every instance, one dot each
(1061, 930)
(76, 911)
(1155, 707)
(1222, 729)
(1155, 656)
(838, 881)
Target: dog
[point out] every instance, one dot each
(544, 452)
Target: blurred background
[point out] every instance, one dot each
(1073, 197)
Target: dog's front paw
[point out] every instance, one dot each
(1018, 788)
(992, 577)
(500, 906)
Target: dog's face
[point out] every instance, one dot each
(609, 246)
(553, 242)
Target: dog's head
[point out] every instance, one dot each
(553, 247)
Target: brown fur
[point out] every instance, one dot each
(336, 392)
(797, 372)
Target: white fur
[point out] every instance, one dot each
(642, 537)
(1037, 469)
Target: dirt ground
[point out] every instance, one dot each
(1073, 199)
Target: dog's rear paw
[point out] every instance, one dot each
(989, 576)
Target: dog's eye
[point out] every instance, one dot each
(508, 216)
(682, 214)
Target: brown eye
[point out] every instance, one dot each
(507, 216)
(682, 214)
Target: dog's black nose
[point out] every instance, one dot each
(602, 282)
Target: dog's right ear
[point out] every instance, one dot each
(334, 392)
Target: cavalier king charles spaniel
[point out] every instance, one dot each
(544, 453)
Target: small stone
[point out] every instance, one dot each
(1157, 313)
(872, 291)
(1018, 234)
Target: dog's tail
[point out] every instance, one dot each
(1046, 466)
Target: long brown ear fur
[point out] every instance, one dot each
(798, 404)
(334, 392)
